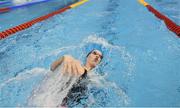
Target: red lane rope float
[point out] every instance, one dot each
(169, 23)
(2, 10)
(28, 24)
(172, 26)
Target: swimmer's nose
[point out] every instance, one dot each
(96, 58)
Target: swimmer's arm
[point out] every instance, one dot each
(56, 63)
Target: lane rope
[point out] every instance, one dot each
(28, 24)
(4, 2)
(172, 26)
(6, 9)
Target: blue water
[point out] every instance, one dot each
(141, 57)
(24, 14)
(170, 9)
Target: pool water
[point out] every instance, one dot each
(170, 8)
(141, 57)
(21, 15)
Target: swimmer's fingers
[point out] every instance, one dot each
(69, 68)
(74, 69)
(64, 69)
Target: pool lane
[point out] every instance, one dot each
(143, 40)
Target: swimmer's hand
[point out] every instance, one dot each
(69, 65)
(56, 63)
(72, 66)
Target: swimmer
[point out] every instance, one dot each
(74, 67)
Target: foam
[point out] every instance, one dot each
(52, 90)
(25, 76)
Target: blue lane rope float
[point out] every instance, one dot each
(6, 9)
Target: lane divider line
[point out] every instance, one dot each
(4, 2)
(28, 24)
(3, 10)
(6, 9)
(78, 3)
(172, 26)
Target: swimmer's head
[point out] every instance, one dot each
(94, 57)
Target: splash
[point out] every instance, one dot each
(25, 76)
(55, 86)
(56, 52)
(125, 55)
(52, 90)
(100, 81)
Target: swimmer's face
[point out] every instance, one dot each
(94, 58)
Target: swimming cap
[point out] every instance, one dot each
(93, 46)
